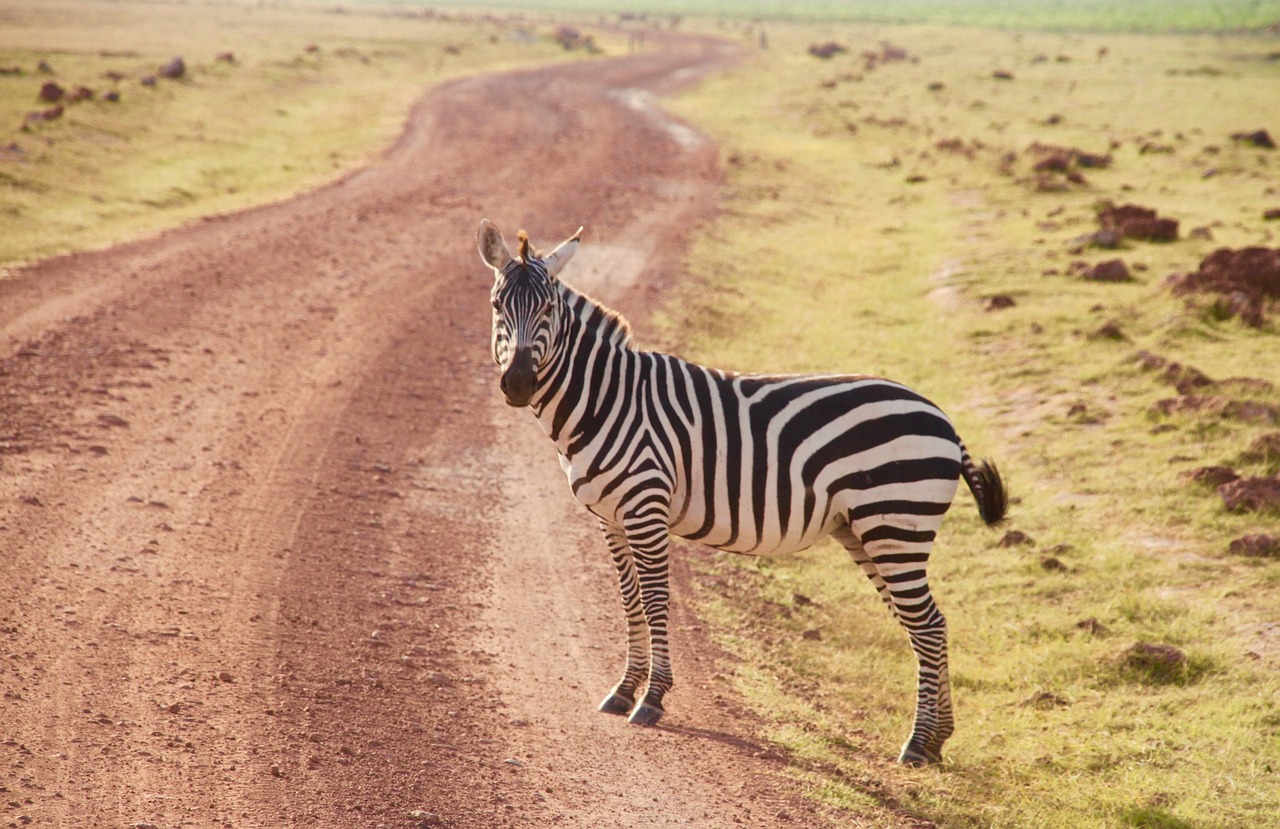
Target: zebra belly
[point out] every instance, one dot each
(768, 545)
(735, 528)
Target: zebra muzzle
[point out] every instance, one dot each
(518, 380)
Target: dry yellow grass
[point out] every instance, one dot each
(305, 93)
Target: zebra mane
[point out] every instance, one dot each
(607, 323)
(526, 249)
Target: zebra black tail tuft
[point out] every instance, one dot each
(988, 489)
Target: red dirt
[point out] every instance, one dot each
(274, 553)
(1132, 221)
(1247, 280)
(1251, 494)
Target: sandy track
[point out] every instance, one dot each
(273, 552)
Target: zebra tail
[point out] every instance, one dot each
(987, 487)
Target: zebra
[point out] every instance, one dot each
(656, 446)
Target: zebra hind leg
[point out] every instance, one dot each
(895, 560)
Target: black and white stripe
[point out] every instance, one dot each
(655, 446)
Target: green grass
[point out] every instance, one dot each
(312, 93)
(1087, 15)
(854, 239)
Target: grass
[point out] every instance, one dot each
(312, 92)
(1087, 15)
(867, 220)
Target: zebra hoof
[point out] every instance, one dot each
(916, 757)
(645, 714)
(617, 704)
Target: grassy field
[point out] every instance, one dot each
(1089, 15)
(871, 217)
(305, 93)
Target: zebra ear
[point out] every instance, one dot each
(493, 248)
(556, 259)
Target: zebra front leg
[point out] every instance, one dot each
(623, 696)
(648, 538)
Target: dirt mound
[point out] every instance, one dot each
(1213, 476)
(1227, 408)
(1070, 156)
(1057, 167)
(1157, 663)
(173, 69)
(50, 92)
(1258, 138)
(51, 114)
(1112, 270)
(828, 50)
(1015, 538)
(1247, 279)
(1171, 371)
(1251, 494)
(958, 146)
(1264, 450)
(887, 53)
(1132, 221)
(570, 39)
(1256, 546)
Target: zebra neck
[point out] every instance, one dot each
(596, 320)
(582, 388)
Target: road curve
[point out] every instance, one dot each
(272, 551)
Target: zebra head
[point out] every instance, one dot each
(526, 307)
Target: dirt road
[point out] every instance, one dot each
(272, 550)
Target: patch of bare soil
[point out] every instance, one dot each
(1247, 282)
(1131, 221)
(273, 552)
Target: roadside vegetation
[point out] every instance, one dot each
(1041, 15)
(271, 100)
(931, 204)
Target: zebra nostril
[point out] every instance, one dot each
(518, 380)
(518, 389)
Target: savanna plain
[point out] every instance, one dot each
(933, 205)
(1038, 227)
